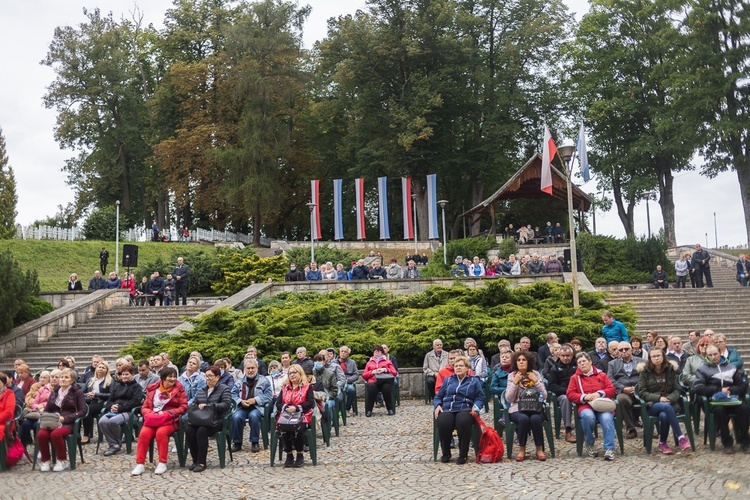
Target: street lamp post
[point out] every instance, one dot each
(312, 206)
(567, 154)
(414, 204)
(117, 239)
(442, 204)
(648, 217)
(716, 233)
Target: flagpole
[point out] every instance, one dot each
(569, 153)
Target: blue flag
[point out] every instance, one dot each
(583, 157)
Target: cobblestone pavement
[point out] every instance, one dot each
(391, 457)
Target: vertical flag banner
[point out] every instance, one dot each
(583, 157)
(338, 214)
(385, 234)
(548, 153)
(432, 206)
(359, 193)
(315, 185)
(408, 215)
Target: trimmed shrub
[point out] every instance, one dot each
(408, 324)
(239, 270)
(33, 308)
(607, 260)
(15, 292)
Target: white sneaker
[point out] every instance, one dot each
(61, 465)
(44, 467)
(138, 470)
(174, 449)
(38, 455)
(161, 468)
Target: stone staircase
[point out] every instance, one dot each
(678, 311)
(105, 334)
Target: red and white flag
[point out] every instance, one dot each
(548, 153)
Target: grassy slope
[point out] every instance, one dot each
(54, 261)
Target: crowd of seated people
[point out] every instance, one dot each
(148, 291)
(664, 371)
(500, 266)
(534, 235)
(165, 397)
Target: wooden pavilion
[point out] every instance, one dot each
(525, 184)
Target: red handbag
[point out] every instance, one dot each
(158, 419)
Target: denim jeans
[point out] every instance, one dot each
(667, 418)
(589, 418)
(253, 416)
(351, 395)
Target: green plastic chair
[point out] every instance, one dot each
(128, 430)
(311, 443)
(649, 422)
(510, 428)
(71, 440)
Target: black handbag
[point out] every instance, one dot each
(530, 401)
(201, 417)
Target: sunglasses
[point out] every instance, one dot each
(624, 349)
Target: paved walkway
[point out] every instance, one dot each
(391, 457)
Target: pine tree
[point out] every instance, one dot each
(8, 196)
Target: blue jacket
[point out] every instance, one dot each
(314, 275)
(192, 384)
(262, 392)
(615, 331)
(342, 275)
(455, 396)
(734, 358)
(499, 381)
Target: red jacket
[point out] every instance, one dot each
(371, 365)
(178, 405)
(7, 409)
(443, 374)
(129, 284)
(596, 381)
(301, 397)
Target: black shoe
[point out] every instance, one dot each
(391, 412)
(192, 466)
(745, 447)
(255, 448)
(289, 460)
(199, 468)
(445, 459)
(368, 414)
(461, 460)
(305, 448)
(300, 460)
(236, 447)
(638, 423)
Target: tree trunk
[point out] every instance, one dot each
(743, 176)
(666, 201)
(625, 213)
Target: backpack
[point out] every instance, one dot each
(530, 401)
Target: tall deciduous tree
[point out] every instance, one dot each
(99, 97)
(8, 196)
(628, 58)
(720, 46)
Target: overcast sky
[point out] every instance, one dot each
(26, 29)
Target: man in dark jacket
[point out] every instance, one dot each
(377, 272)
(559, 379)
(97, 282)
(360, 271)
(719, 381)
(181, 273)
(294, 274)
(701, 259)
(156, 288)
(624, 376)
(660, 278)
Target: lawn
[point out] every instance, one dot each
(54, 261)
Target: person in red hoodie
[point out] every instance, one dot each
(379, 376)
(165, 402)
(447, 370)
(7, 404)
(587, 384)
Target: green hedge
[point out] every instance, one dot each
(361, 319)
(607, 260)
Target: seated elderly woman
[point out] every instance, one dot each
(165, 402)
(499, 381)
(67, 400)
(96, 393)
(213, 394)
(124, 396)
(521, 378)
(658, 387)
(587, 384)
(48, 381)
(460, 398)
(7, 403)
(379, 375)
